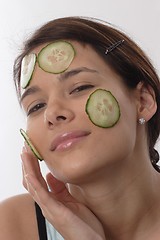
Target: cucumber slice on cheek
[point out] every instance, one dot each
(34, 150)
(56, 57)
(27, 69)
(102, 108)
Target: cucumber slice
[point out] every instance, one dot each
(34, 150)
(56, 57)
(27, 68)
(102, 108)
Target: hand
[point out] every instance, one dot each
(70, 218)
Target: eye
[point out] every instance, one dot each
(36, 108)
(81, 88)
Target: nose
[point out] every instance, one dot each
(57, 113)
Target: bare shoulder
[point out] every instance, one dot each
(18, 219)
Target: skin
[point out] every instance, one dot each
(106, 189)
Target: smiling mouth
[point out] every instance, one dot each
(67, 140)
(68, 143)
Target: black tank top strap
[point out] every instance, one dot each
(41, 223)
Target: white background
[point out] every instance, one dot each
(18, 18)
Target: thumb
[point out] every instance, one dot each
(55, 185)
(59, 189)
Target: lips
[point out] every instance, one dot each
(65, 140)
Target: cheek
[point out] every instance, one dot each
(31, 127)
(125, 133)
(35, 131)
(118, 142)
(115, 146)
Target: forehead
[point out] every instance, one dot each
(86, 61)
(85, 58)
(84, 54)
(75, 44)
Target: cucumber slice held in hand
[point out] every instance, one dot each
(34, 150)
(56, 57)
(27, 69)
(102, 108)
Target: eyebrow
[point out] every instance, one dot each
(61, 77)
(29, 91)
(73, 72)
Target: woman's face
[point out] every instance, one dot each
(72, 146)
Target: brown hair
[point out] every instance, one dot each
(128, 60)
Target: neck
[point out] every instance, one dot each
(124, 202)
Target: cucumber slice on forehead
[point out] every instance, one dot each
(102, 108)
(56, 57)
(34, 150)
(27, 68)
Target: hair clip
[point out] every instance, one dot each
(113, 46)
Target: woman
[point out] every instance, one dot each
(104, 178)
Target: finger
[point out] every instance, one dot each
(55, 185)
(61, 217)
(23, 171)
(59, 189)
(53, 210)
(31, 167)
(30, 162)
(23, 177)
(33, 158)
(43, 197)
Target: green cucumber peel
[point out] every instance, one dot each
(102, 108)
(27, 69)
(30, 144)
(56, 57)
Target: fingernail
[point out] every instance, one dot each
(26, 145)
(24, 149)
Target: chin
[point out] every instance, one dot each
(77, 172)
(69, 176)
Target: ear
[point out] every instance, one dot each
(147, 105)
